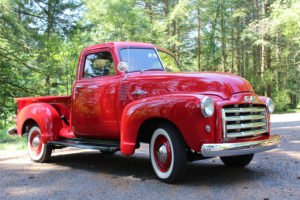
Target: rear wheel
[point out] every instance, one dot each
(237, 161)
(38, 151)
(168, 154)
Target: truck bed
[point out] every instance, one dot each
(24, 101)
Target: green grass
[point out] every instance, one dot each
(11, 142)
(290, 110)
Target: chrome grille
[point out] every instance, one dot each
(243, 120)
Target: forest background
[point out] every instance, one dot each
(40, 41)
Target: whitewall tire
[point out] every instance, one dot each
(38, 151)
(168, 153)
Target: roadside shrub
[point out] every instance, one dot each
(281, 100)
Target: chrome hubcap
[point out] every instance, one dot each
(36, 142)
(162, 153)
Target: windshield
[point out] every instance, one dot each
(141, 59)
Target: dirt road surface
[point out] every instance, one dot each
(87, 174)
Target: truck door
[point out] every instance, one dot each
(94, 108)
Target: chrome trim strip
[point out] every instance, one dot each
(266, 119)
(224, 125)
(245, 117)
(246, 125)
(240, 148)
(246, 133)
(139, 92)
(159, 59)
(238, 110)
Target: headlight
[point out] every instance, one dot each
(207, 107)
(270, 105)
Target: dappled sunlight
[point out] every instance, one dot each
(295, 142)
(144, 149)
(22, 190)
(71, 151)
(7, 154)
(292, 154)
(289, 117)
(289, 127)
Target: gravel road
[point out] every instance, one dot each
(87, 174)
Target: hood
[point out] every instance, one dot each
(220, 84)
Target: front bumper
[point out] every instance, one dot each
(240, 148)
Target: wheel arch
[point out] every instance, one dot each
(164, 108)
(149, 125)
(27, 125)
(44, 116)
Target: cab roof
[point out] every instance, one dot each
(125, 44)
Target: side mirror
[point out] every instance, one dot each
(123, 67)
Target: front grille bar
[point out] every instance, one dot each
(245, 117)
(248, 125)
(243, 120)
(241, 110)
(246, 133)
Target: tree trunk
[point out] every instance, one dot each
(198, 40)
(178, 46)
(223, 38)
(232, 41)
(277, 59)
(212, 38)
(266, 50)
(237, 47)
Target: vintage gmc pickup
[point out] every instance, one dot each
(129, 93)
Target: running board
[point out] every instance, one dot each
(87, 144)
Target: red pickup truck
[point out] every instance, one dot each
(128, 93)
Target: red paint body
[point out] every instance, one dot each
(104, 108)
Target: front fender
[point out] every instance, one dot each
(46, 117)
(181, 109)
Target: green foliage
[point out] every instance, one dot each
(281, 100)
(286, 17)
(116, 20)
(31, 34)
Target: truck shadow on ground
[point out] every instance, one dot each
(139, 167)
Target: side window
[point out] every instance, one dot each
(169, 61)
(99, 64)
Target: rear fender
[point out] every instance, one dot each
(181, 109)
(46, 117)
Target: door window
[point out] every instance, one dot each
(169, 62)
(99, 64)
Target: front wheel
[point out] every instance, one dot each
(237, 161)
(168, 154)
(38, 151)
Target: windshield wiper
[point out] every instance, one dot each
(153, 69)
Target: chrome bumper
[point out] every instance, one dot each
(240, 148)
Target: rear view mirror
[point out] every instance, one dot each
(123, 67)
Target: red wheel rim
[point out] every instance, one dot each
(162, 153)
(35, 142)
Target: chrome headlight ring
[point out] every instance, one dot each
(207, 106)
(270, 105)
